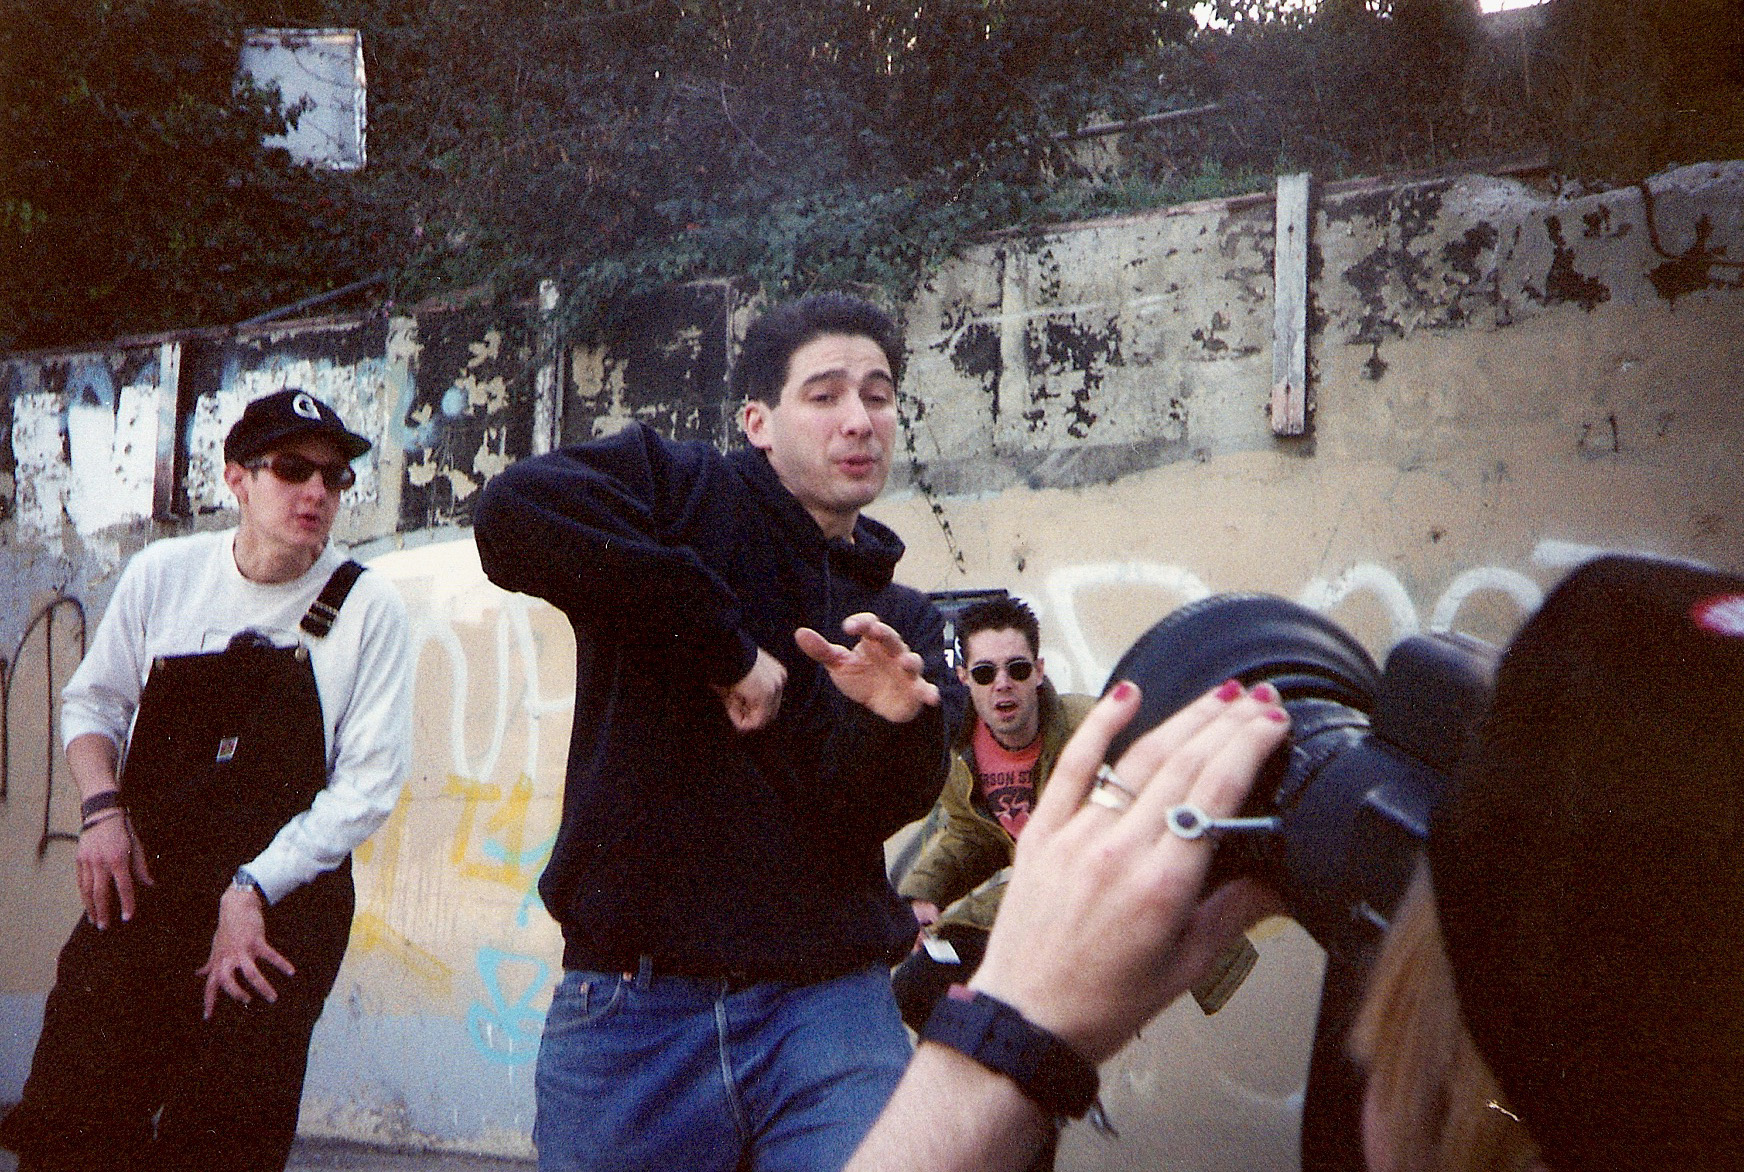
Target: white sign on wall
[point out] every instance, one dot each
(321, 69)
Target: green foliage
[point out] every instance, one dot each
(621, 145)
(134, 193)
(1631, 86)
(1606, 90)
(1357, 86)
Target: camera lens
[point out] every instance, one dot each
(1328, 684)
(1248, 637)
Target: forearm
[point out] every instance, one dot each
(945, 872)
(92, 759)
(371, 737)
(109, 859)
(591, 529)
(951, 1114)
(966, 849)
(320, 838)
(373, 761)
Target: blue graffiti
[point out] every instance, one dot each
(504, 1032)
(90, 383)
(532, 860)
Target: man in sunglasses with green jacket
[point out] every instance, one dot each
(1002, 758)
(1003, 755)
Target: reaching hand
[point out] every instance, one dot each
(754, 701)
(926, 914)
(110, 860)
(880, 673)
(238, 947)
(1103, 924)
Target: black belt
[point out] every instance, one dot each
(647, 968)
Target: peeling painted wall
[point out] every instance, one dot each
(1503, 383)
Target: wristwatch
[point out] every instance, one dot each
(984, 1028)
(247, 882)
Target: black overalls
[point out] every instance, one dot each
(226, 748)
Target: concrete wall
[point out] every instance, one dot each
(1503, 383)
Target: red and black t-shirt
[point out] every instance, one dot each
(1005, 778)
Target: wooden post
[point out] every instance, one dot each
(1290, 320)
(548, 379)
(163, 476)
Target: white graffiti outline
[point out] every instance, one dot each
(1063, 586)
(1074, 665)
(513, 633)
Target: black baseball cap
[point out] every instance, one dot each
(1589, 871)
(272, 419)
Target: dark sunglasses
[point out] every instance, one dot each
(1017, 669)
(294, 469)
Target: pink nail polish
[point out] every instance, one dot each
(1229, 691)
(1265, 694)
(1123, 690)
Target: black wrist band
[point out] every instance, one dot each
(101, 817)
(97, 803)
(1004, 1041)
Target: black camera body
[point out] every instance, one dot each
(1369, 756)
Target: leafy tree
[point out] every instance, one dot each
(1607, 90)
(1631, 86)
(625, 145)
(134, 192)
(620, 145)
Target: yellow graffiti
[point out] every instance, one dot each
(370, 932)
(370, 929)
(504, 843)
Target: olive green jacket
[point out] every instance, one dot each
(966, 862)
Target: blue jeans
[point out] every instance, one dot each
(669, 1073)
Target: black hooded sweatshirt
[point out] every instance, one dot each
(719, 854)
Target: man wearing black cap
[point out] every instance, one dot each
(261, 690)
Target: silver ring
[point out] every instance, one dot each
(1189, 822)
(1105, 776)
(1105, 795)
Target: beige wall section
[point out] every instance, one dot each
(1445, 489)
(1459, 480)
(1503, 383)
(1451, 502)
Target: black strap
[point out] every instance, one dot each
(1000, 1038)
(109, 799)
(325, 609)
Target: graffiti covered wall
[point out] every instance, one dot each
(1503, 383)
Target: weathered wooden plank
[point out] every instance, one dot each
(163, 476)
(547, 380)
(1290, 321)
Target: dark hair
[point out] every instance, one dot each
(1585, 871)
(998, 614)
(769, 344)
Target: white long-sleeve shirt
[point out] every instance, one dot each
(184, 595)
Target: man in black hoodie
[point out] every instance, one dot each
(733, 773)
